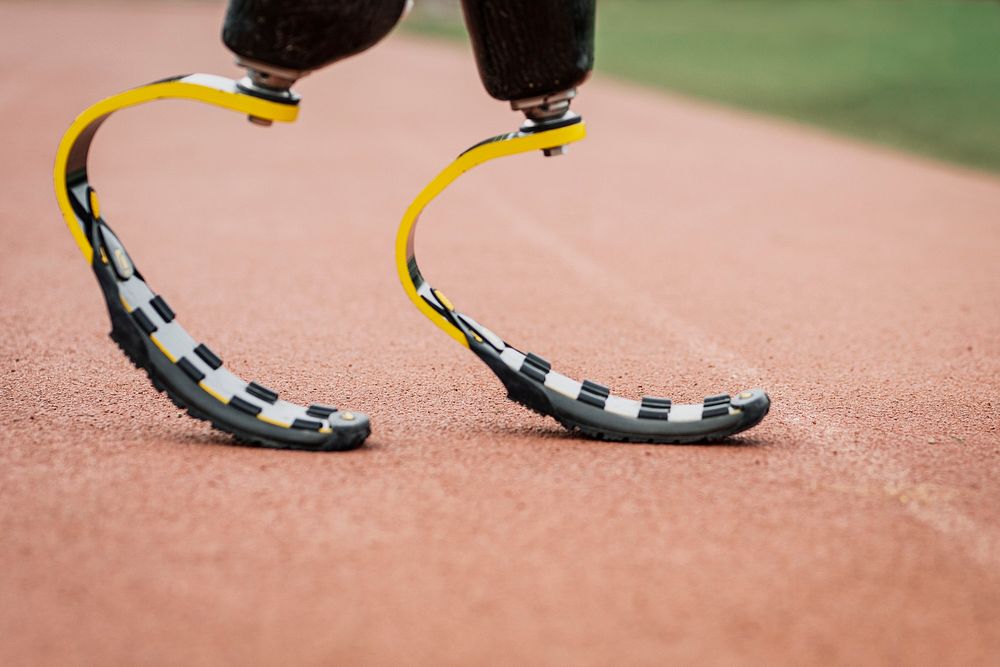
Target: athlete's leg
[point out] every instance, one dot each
(279, 41)
(532, 53)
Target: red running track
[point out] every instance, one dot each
(682, 249)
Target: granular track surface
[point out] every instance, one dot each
(680, 250)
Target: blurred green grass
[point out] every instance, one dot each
(922, 75)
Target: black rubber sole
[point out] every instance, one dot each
(346, 441)
(709, 438)
(534, 396)
(613, 436)
(166, 377)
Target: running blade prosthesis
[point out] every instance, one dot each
(145, 327)
(519, 54)
(278, 42)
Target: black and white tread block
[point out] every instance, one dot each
(683, 418)
(157, 321)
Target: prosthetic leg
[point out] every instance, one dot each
(534, 54)
(278, 41)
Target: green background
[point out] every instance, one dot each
(923, 75)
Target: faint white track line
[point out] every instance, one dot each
(892, 477)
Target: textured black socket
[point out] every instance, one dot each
(529, 48)
(305, 35)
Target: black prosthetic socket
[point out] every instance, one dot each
(303, 35)
(531, 48)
